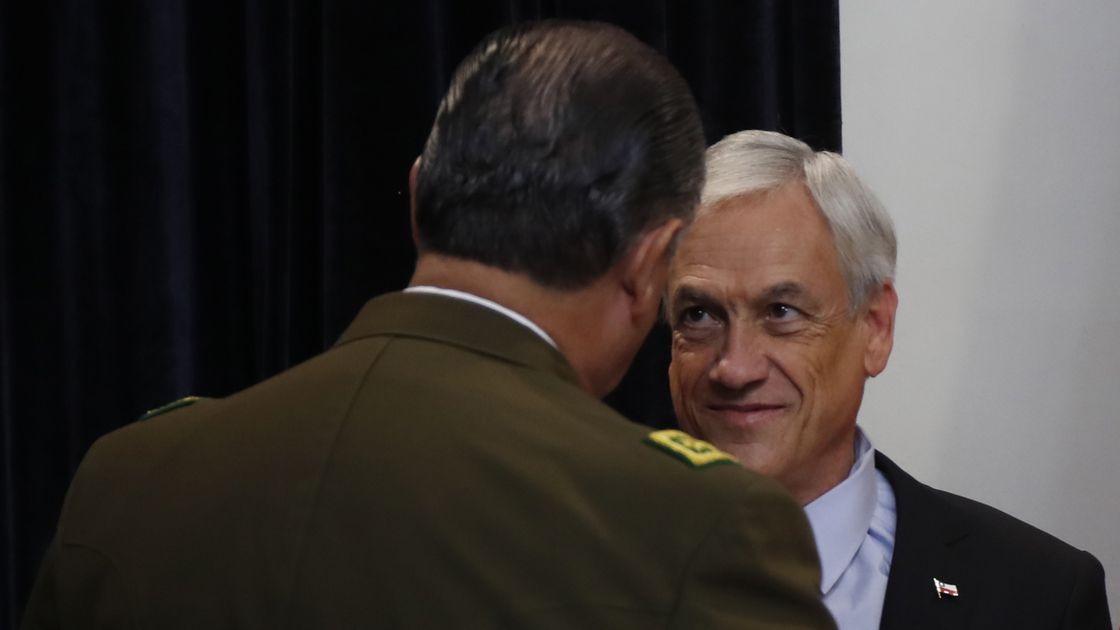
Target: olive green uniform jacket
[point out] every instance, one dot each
(438, 468)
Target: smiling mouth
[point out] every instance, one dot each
(746, 414)
(746, 407)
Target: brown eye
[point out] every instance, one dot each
(694, 316)
(782, 312)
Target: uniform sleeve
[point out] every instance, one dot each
(77, 588)
(1088, 603)
(757, 568)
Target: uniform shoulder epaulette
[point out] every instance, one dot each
(692, 451)
(171, 406)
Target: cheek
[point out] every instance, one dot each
(674, 376)
(678, 380)
(824, 356)
(686, 377)
(844, 363)
(677, 391)
(687, 366)
(801, 368)
(826, 377)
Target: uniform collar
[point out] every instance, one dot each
(490, 304)
(458, 322)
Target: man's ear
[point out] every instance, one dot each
(879, 319)
(646, 267)
(412, 202)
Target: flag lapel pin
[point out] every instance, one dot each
(944, 588)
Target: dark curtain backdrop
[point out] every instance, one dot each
(196, 195)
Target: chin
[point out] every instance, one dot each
(752, 459)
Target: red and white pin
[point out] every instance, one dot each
(944, 588)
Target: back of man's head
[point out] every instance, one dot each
(556, 145)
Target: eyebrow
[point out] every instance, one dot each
(782, 291)
(690, 294)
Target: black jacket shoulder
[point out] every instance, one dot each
(1008, 573)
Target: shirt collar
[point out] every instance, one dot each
(481, 301)
(840, 518)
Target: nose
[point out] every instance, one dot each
(741, 363)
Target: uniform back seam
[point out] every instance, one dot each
(299, 559)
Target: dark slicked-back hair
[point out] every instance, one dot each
(557, 144)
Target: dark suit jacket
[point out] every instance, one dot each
(438, 468)
(1008, 574)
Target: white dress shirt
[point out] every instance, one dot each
(854, 526)
(481, 301)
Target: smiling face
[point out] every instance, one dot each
(768, 363)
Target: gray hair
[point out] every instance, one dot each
(750, 162)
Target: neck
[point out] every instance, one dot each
(579, 321)
(827, 472)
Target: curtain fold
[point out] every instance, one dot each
(197, 195)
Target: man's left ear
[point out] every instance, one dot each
(646, 267)
(879, 319)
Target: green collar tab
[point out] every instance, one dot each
(171, 406)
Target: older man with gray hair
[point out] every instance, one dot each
(782, 303)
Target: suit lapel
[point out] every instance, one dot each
(930, 542)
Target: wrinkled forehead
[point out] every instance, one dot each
(785, 217)
(757, 240)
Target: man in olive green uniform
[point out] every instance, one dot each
(447, 464)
